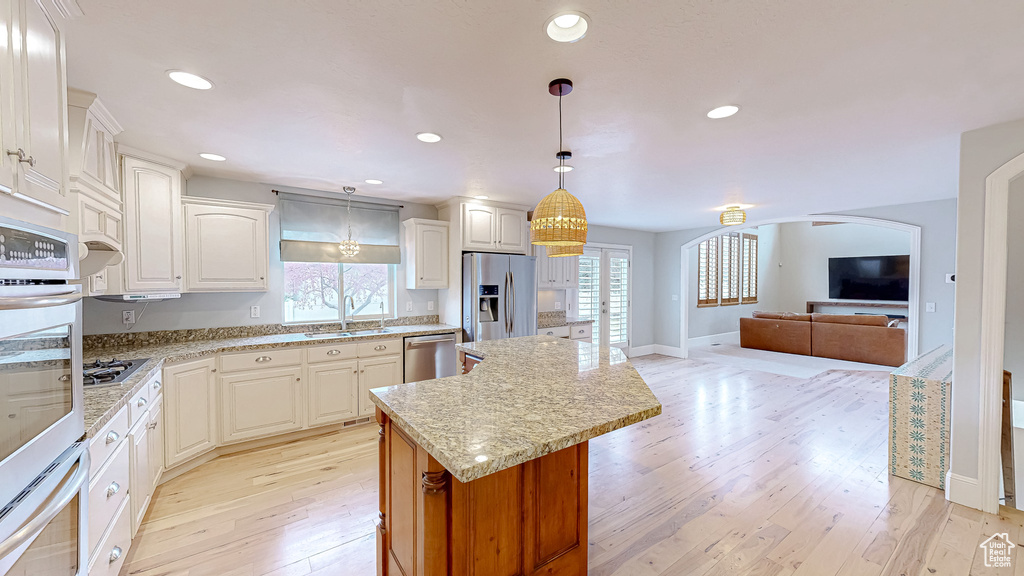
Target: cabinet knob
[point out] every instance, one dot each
(112, 437)
(114, 488)
(115, 554)
(298, 379)
(261, 277)
(142, 402)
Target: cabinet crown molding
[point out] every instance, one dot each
(415, 221)
(455, 201)
(88, 100)
(123, 150)
(204, 201)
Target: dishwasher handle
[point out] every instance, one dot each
(415, 344)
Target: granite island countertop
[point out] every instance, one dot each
(103, 402)
(529, 397)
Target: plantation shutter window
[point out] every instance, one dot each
(730, 268)
(748, 293)
(707, 273)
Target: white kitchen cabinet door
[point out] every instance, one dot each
(156, 442)
(375, 373)
(427, 250)
(226, 247)
(260, 403)
(40, 109)
(479, 227)
(190, 416)
(513, 235)
(570, 272)
(140, 490)
(152, 222)
(8, 130)
(333, 391)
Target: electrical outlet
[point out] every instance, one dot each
(408, 306)
(950, 278)
(128, 317)
(558, 305)
(254, 312)
(929, 306)
(430, 305)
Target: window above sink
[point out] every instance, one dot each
(313, 292)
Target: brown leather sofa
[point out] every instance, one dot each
(853, 337)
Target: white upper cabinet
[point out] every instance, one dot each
(153, 254)
(560, 273)
(226, 245)
(478, 227)
(33, 110)
(513, 234)
(426, 243)
(493, 229)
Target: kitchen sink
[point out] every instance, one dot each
(338, 334)
(370, 331)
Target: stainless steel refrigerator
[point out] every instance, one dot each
(499, 296)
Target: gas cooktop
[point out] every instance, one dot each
(113, 371)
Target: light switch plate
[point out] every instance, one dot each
(408, 306)
(254, 312)
(430, 305)
(558, 305)
(929, 306)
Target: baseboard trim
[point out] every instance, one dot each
(674, 351)
(964, 490)
(641, 350)
(723, 338)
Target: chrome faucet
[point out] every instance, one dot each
(344, 317)
(381, 316)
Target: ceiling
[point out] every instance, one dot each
(844, 105)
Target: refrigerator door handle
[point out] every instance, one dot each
(512, 324)
(505, 300)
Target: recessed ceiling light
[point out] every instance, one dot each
(190, 80)
(723, 112)
(428, 137)
(565, 168)
(480, 197)
(214, 157)
(373, 181)
(567, 26)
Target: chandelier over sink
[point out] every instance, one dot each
(349, 248)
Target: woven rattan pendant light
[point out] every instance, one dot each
(559, 219)
(564, 251)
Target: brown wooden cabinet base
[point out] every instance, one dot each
(525, 520)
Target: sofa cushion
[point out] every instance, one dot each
(781, 316)
(776, 335)
(796, 316)
(767, 315)
(857, 319)
(858, 343)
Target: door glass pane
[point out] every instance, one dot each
(589, 295)
(618, 300)
(55, 551)
(36, 387)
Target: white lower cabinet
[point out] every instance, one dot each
(108, 490)
(260, 403)
(156, 443)
(375, 373)
(141, 471)
(333, 388)
(113, 548)
(190, 410)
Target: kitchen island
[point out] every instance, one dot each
(486, 472)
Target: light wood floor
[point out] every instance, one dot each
(745, 473)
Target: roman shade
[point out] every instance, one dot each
(312, 228)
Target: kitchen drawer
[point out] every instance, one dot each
(581, 331)
(379, 348)
(113, 549)
(270, 358)
(331, 352)
(106, 493)
(557, 332)
(139, 404)
(106, 441)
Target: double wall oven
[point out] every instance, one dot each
(43, 468)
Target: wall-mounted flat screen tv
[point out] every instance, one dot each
(869, 278)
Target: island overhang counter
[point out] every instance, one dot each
(486, 472)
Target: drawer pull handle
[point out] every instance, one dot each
(263, 359)
(114, 488)
(112, 437)
(141, 402)
(579, 331)
(64, 378)
(334, 352)
(380, 347)
(115, 554)
(156, 385)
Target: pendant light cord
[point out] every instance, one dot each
(561, 157)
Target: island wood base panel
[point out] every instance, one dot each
(525, 520)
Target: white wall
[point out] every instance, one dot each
(232, 309)
(722, 319)
(807, 248)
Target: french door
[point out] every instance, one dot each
(604, 294)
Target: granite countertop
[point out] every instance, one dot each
(529, 397)
(557, 319)
(103, 402)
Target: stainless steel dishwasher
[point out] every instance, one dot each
(429, 357)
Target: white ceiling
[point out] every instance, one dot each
(844, 104)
